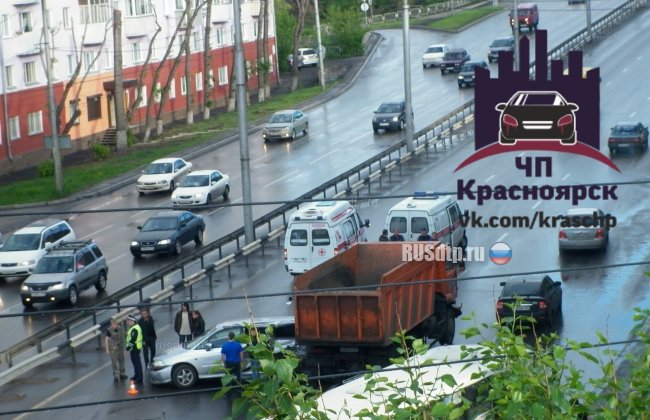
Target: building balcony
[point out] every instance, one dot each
(96, 13)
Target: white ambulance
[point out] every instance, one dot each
(438, 214)
(320, 231)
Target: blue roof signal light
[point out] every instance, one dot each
(425, 194)
(325, 203)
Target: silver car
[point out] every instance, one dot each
(587, 230)
(184, 365)
(286, 125)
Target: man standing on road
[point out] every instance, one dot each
(114, 344)
(149, 336)
(231, 355)
(133, 346)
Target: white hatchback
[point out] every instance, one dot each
(433, 55)
(307, 57)
(163, 175)
(201, 187)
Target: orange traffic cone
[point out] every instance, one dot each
(132, 389)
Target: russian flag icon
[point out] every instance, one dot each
(500, 253)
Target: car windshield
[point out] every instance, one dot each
(469, 67)
(195, 181)
(389, 109)
(500, 43)
(434, 50)
(308, 52)
(527, 98)
(54, 265)
(158, 168)
(625, 130)
(160, 223)
(453, 56)
(525, 12)
(22, 242)
(280, 118)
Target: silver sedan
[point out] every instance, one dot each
(587, 229)
(286, 125)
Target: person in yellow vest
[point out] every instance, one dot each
(133, 346)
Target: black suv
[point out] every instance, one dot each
(454, 59)
(67, 269)
(389, 116)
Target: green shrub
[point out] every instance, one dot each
(131, 138)
(46, 168)
(100, 151)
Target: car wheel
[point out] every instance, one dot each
(306, 129)
(27, 304)
(136, 254)
(140, 192)
(208, 200)
(172, 186)
(442, 71)
(226, 192)
(101, 281)
(184, 376)
(293, 134)
(198, 239)
(177, 247)
(375, 130)
(401, 125)
(424, 66)
(73, 296)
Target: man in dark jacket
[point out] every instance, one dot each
(396, 236)
(149, 336)
(424, 236)
(384, 236)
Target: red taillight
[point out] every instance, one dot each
(285, 254)
(499, 305)
(510, 120)
(542, 305)
(562, 235)
(565, 120)
(599, 234)
(637, 140)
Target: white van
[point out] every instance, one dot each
(320, 231)
(439, 215)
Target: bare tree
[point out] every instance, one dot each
(301, 12)
(265, 50)
(232, 94)
(208, 80)
(189, 98)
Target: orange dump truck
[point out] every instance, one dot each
(344, 330)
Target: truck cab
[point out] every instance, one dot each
(528, 17)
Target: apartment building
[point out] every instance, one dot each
(81, 34)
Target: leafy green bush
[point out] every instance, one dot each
(347, 33)
(46, 168)
(131, 138)
(100, 151)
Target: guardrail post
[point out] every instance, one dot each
(191, 292)
(39, 345)
(140, 295)
(99, 337)
(246, 260)
(238, 243)
(220, 256)
(202, 265)
(10, 361)
(162, 283)
(210, 284)
(182, 271)
(67, 338)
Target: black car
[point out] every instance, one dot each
(389, 116)
(628, 135)
(167, 232)
(537, 115)
(539, 299)
(454, 59)
(506, 43)
(466, 76)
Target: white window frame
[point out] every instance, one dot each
(172, 89)
(223, 75)
(136, 52)
(143, 95)
(34, 123)
(108, 59)
(183, 86)
(9, 77)
(88, 58)
(30, 25)
(72, 107)
(218, 35)
(179, 5)
(67, 24)
(26, 73)
(5, 26)
(256, 27)
(138, 7)
(198, 81)
(14, 128)
(196, 41)
(72, 63)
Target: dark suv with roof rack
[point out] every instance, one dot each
(65, 271)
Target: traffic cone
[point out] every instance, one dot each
(132, 389)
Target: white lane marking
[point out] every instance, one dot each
(521, 154)
(444, 91)
(357, 138)
(625, 70)
(96, 232)
(116, 258)
(633, 114)
(365, 108)
(331, 125)
(134, 215)
(565, 177)
(488, 180)
(608, 83)
(280, 179)
(502, 237)
(324, 156)
(221, 208)
(537, 204)
(65, 389)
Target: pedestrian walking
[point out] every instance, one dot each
(114, 344)
(396, 236)
(183, 324)
(198, 324)
(133, 346)
(384, 236)
(149, 337)
(231, 356)
(424, 235)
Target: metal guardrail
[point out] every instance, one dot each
(422, 11)
(438, 135)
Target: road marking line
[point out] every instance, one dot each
(357, 138)
(608, 83)
(221, 208)
(280, 179)
(324, 156)
(537, 204)
(502, 237)
(521, 154)
(134, 215)
(565, 177)
(488, 180)
(116, 258)
(633, 114)
(365, 108)
(96, 232)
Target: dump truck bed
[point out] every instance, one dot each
(373, 314)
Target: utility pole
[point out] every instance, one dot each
(407, 80)
(240, 80)
(54, 127)
(321, 69)
(515, 27)
(118, 89)
(588, 8)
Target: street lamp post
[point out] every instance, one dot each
(407, 80)
(515, 27)
(321, 69)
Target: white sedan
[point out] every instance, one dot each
(201, 187)
(163, 175)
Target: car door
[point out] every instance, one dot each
(206, 357)
(179, 169)
(217, 184)
(442, 226)
(187, 227)
(297, 123)
(91, 268)
(550, 292)
(81, 278)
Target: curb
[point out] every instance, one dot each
(455, 31)
(255, 126)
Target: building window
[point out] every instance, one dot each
(66, 18)
(35, 123)
(199, 81)
(210, 78)
(181, 41)
(90, 64)
(94, 107)
(5, 28)
(196, 41)
(29, 69)
(71, 64)
(172, 89)
(256, 27)
(218, 36)
(108, 59)
(143, 96)
(223, 75)
(135, 49)
(183, 86)
(157, 94)
(180, 4)
(74, 106)
(139, 7)
(9, 76)
(26, 21)
(14, 128)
